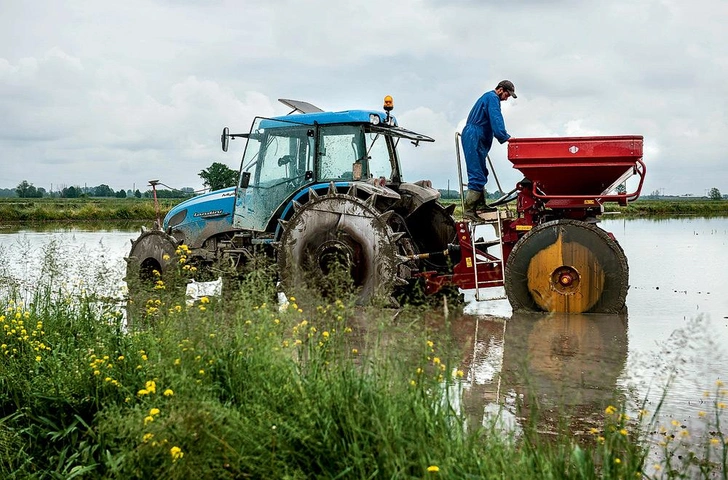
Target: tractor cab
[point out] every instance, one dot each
(285, 155)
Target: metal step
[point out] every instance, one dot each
(489, 217)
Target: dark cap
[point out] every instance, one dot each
(508, 86)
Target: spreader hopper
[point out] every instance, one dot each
(579, 168)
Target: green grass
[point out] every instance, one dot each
(89, 209)
(700, 207)
(238, 388)
(648, 207)
(14, 211)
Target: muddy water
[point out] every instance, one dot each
(574, 366)
(675, 334)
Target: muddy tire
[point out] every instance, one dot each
(340, 233)
(154, 251)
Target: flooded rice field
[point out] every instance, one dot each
(675, 332)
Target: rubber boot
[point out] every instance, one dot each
(472, 199)
(486, 208)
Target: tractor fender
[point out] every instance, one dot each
(380, 191)
(419, 194)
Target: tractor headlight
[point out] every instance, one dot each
(374, 119)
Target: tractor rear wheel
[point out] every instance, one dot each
(340, 232)
(567, 266)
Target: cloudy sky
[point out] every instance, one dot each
(119, 93)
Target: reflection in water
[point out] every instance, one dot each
(566, 365)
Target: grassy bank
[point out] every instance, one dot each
(242, 388)
(14, 211)
(646, 207)
(85, 209)
(699, 207)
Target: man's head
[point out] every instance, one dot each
(505, 89)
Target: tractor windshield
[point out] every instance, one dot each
(351, 152)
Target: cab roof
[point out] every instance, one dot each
(326, 118)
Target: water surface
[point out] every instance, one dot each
(676, 328)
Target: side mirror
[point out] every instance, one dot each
(225, 139)
(285, 160)
(245, 180)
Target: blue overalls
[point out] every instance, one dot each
(484, 122)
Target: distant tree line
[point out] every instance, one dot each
(215, 177)
(26, 189)
(712, 194)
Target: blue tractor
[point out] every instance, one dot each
(316, 189)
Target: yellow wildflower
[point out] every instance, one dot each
(176, 453)
(168, 392)
(148, 419)
(154, 411)
(433, 468)
(151, 386)
(610, 410)
(147, 437)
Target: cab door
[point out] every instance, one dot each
(278, 162)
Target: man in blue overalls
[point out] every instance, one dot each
(484, 122)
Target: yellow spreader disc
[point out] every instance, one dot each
(567, 266)
(565, 277)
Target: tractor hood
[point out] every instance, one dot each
(202, 208)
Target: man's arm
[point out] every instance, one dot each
(497, 123)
